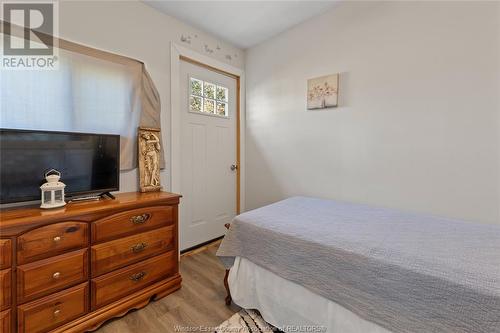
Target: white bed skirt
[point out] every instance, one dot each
(290, 306)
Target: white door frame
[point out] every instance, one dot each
(176, 51)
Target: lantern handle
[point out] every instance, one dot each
(52, 171)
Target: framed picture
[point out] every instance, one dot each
(322, 92)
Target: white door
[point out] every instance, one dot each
(208, 154)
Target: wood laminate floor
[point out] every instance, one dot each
(198, 305)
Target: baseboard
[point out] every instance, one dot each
(192, 248)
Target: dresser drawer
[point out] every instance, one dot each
(51, 240)
(124, 251)
(131, 222)
(49, 312)
(5, 321)
(112, 286)
(49, 275)
(5, 278)
(5, 253)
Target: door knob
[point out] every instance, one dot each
(234, 167)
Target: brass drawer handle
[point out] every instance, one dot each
(56, 275)
(139, 219)
(138, 276)
(57, 312)
(57, 239)
(139, 247)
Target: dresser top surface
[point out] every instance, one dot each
(12, 219)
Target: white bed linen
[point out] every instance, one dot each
(283, 303)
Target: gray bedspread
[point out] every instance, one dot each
(406, 272)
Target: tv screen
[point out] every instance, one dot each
(89, 163)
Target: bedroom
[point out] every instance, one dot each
(375, 211)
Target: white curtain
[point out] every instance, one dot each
(85, 94)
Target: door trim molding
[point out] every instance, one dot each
(178, 52)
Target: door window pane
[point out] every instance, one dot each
(209, 106)
(195, 104)
(196, 87)
(209, 90)
(209, 98)
(221, 93)
(222, 109)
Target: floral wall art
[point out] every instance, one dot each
(322, 92)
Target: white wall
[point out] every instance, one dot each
(418, 123)
(133, 29)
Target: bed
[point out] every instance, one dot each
(356, 268)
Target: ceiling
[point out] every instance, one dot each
(242, 23)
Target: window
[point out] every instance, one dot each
(91, 91)
(207, 98)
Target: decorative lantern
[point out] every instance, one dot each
(52, 190)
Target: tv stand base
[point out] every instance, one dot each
(107, 194)
(93, 197)
(85, 198)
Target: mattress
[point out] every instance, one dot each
(403, 271)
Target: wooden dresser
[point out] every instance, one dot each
(70, 269)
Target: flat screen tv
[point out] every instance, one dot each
(89, 163)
